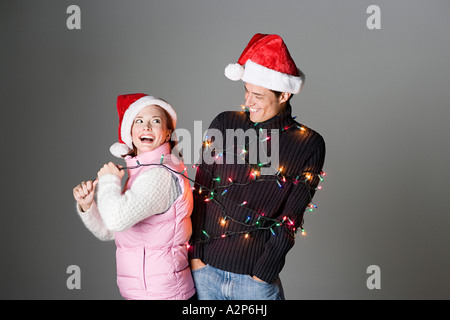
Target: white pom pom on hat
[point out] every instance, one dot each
(266, 62)
(119, 149)
(234, 71)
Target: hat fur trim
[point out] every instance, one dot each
(261, 76)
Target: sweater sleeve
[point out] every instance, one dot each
(272, 260)
(153, 192)
(93, 221)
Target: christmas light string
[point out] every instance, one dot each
(262, 222)
(219, 192)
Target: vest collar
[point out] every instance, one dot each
(150, 157)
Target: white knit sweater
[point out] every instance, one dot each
(153, 192)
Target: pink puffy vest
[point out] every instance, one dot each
(152, 256)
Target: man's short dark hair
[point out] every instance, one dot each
(278, 94)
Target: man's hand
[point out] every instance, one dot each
(258, 279)
(197, 264)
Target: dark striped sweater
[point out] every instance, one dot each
(245, 222)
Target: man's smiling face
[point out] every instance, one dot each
(262, 103)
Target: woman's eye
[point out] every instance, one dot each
(157, 121)
(139, 121)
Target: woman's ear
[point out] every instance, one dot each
(169, 135)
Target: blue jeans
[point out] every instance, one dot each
(216, 284)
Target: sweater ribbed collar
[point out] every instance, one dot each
(280, 121)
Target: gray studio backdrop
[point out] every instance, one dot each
(379, 97)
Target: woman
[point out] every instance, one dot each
(150, 218)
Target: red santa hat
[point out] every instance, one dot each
(266, 62)
(128, 107)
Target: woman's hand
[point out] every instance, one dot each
(84, 194)
(111, 168)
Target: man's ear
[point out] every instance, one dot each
(284, 97)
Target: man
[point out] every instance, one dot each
(245, 222)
